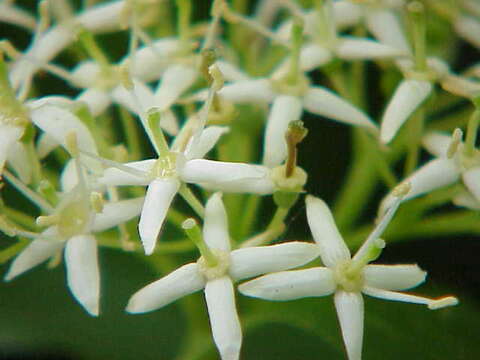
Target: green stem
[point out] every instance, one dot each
(184, 8)
(273, 230)
(131, 134)
(419, 30)
(192, 200)
(249, 216)
(472, 130)
(415, 131)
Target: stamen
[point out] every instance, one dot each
(153, 123)
(194, 233)
(370, 254)
(94, 51)
(49, 220)
(416, 11)
(117, 165)
(208, 58)
(216, 13)
(295, 134)
(97, 202)
(442, 302)
(454, 143)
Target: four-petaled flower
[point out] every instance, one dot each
(345, 277)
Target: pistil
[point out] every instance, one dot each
(194, 233)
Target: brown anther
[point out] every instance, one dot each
(295, 134)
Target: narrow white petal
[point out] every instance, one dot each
(230, 72)
(215, 227)
(313, 56)
(19, 161)
(468, 27)
(152, 60)
(224, 321)
(325, 233)
(471, 179)
(175, 80)
(96, 100)
(285, 109)
(386, 27)
(437, 143)
(393, 277)
(86, 74)
(408, 96)
(362, 49)
(115, 213)
(45, 145)
(183, 281)
(8, 136)
(102, 17)
(35, 253)
(58, 123)
(431, 176)
(207, 140)
(17, 16)
(262, 185)
(218, 172)
(432, 304)
(350, 312)
(346, 13)
(69, 176)
(248, 91)
(137, 101)
(160, 194)
(323, 102)
(169, 122)
(83, 275)
(254, 261)
(291, 285)
(118, 177)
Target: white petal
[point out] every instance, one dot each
(350, 312)
(69, 176)
(468, 27)
(102, 17)
(183, 281)
(207, 140)
(152, 60)
(323, 102)
(261, 186)
(96, 100)
(313, 56)
(86, 74)
(248, 91)
(408, 96)
(115, 213)
(230, 72)
(218, 172)
(8, 136)
(169, 122)
(58, 123)
(215, 227)
(471, 179)
(83, 276)
(160, 194)
(17, 16)
(137, 101)
(437, 143)
(224, 321)
(385, 26)
(254, 261)
(346, 13)
(19, 161)
(325, 232)
(362, 49)
(35, 253)
(393, 277)
(431, 176)
(284, 110)
(118, 177)
(291, 285)
(45, 145)
(175, 80)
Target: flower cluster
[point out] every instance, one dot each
(202, 99)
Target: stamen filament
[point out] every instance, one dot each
(153, 122)
(418, 22)
(194, 233)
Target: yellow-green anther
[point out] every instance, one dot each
(153, 122)
(296, 41)
(217, 76)
(402, 190)
(184, 9)
(472, 129)
(371, 254)
(91, 47)
(96, 202)
(295, 134)
(454, 143)
(194, 233)
(418, 24)
(208, 58)
(49, 220)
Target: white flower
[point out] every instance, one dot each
(217, 281)
(345, 277)
(182, 163)
(450, 164)
(71, 227)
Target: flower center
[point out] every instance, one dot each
(74, 218)
(348, 276)
(217, 271)
(167, 166)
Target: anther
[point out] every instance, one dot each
(295, 134)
